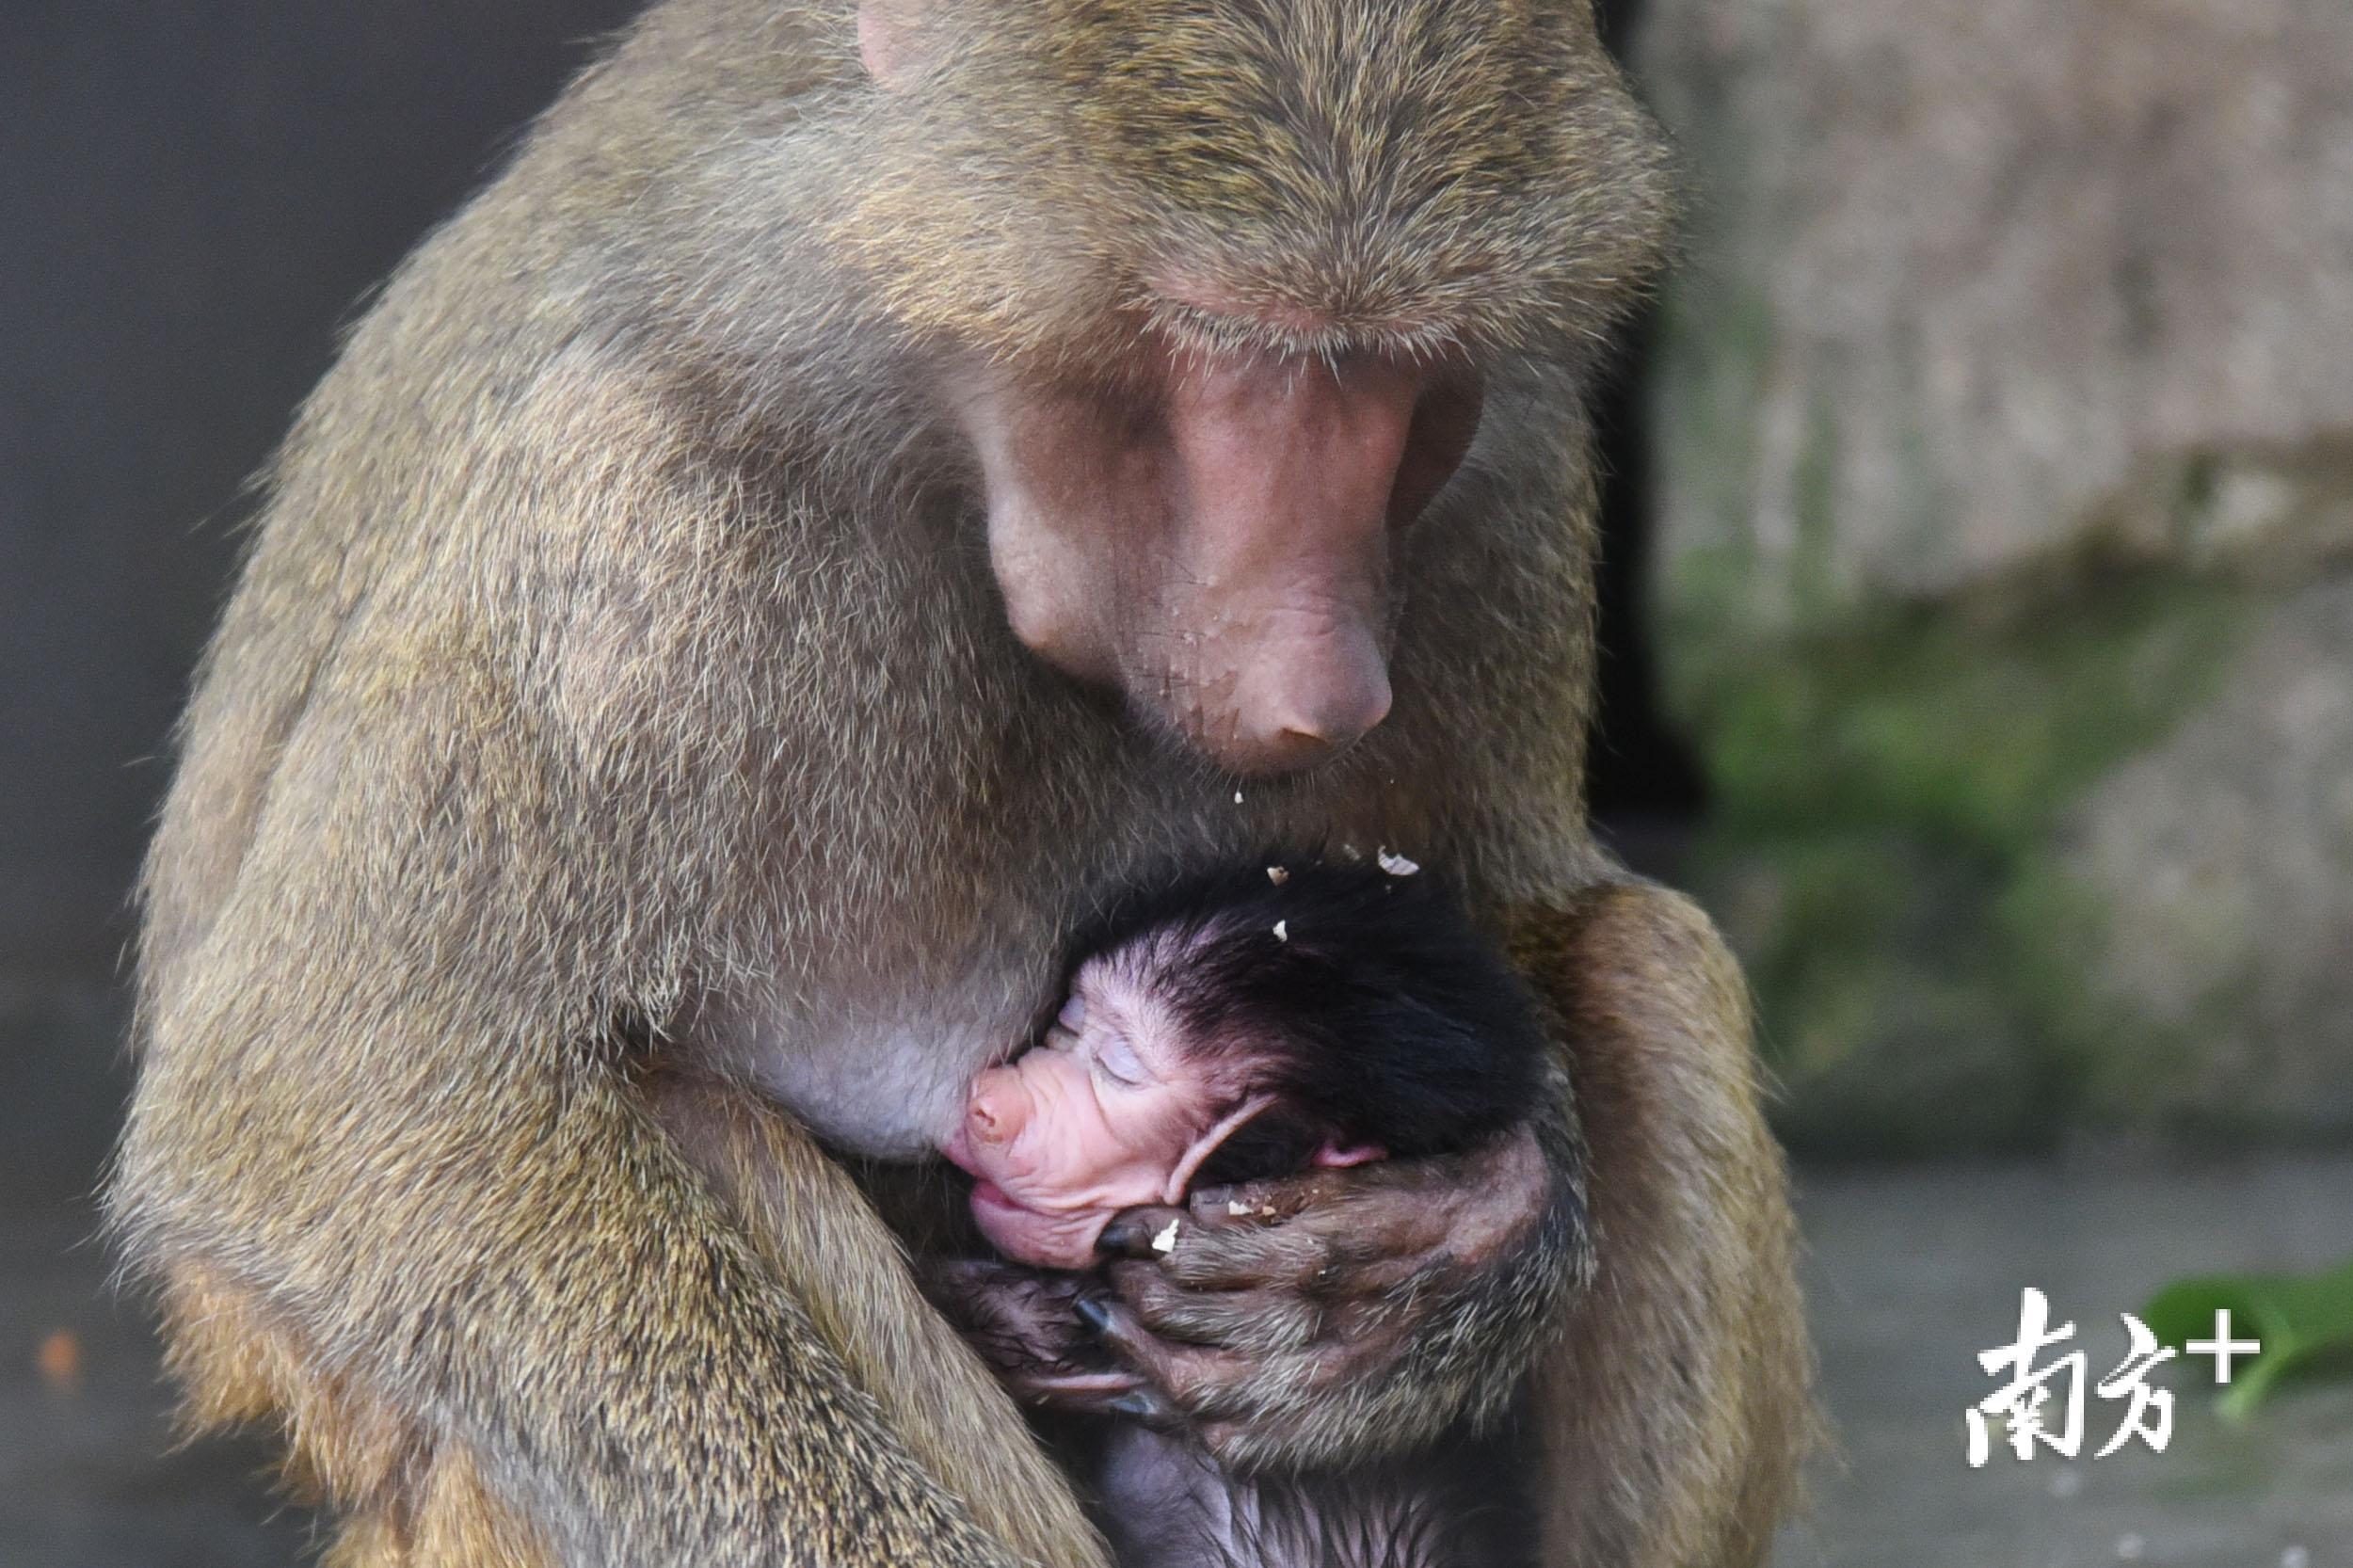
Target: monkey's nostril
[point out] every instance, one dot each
(1347, 711)
(991, 1115)
(1298, 743)
(983, 1122)
(1299, 748)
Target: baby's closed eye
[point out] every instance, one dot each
(1116, 1063)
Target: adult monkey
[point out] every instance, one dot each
(629, 674)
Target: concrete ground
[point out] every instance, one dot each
(1910, 1273)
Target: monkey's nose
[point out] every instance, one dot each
(998, 1109)
(1347, 714)
(1306, 720)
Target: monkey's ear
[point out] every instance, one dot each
(1189, 1162)
(890, 40)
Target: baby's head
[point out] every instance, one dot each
(1247, 1026)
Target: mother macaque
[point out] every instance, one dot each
(867, 484)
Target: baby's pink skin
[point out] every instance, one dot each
(1106, 1114)
(1111, 1112)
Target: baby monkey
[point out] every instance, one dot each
(1228, 1030)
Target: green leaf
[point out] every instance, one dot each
(2303, 1321)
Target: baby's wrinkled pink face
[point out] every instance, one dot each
(1105, 1114)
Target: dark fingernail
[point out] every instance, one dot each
(1094, 1314)
(1119, 1238)
(1213, 1197)
(1142, 1405)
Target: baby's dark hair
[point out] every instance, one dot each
(1364, 1002)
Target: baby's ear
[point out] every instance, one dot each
(1189, 1162)
(1334, 1156)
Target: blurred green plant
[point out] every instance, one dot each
(2304, 1322)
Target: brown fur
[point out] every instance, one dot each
(1676, 1407)
(614, 673)
(406, 1501)
(809, 1219)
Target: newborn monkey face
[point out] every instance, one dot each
(1108, 1112)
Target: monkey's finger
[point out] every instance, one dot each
(1106, 1381)
(1116, 1327)
(1149, 1406)
(1209, 1253)
(1271, 1201)
(1081, 1394)
(1219, 1436)
(1261, 1393)
(1214, 1256)
(1363, 1244)
(1143, 1234)
(1283, 1260)
(1196, 1377)
(1385, 1286)
(1253, 1323)
(1369, 1227)
(1362, 1214)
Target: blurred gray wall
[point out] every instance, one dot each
(2003, 567)
(192, 198)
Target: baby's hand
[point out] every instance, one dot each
(1024, 1323)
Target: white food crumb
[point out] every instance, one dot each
(1237, 797)
(1165, 1241)
(1282, 931)
(1397, 865)
(1238, 1208)
(1278, 874)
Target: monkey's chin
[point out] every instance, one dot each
(1028, 1236)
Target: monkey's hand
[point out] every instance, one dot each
(1350, 1314)
(1024, 1322)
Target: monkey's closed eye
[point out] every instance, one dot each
(1116, 1061)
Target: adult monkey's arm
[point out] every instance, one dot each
(814, 1230)
(503, 1238)
(1675, 1410)
(1632, 1250)
(382, 1159)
